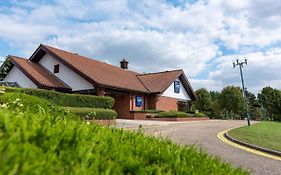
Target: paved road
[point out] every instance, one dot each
(203, 134)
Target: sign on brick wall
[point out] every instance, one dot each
(138, 101)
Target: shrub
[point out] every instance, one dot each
(41, 144)
(93, 113)
(199, 114)
(178, 114)
(151, 111)
(69, 100)
(26, 103)
(173, 114)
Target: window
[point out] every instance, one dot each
(56, 68)
(177, 87)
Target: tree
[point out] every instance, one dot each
(231, 101)
(203, 102)
(5, 68)
(215, 111)
(270, 100)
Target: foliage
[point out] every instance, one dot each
(43, 144)
(231, 100)
(178, 114)
(199, 114)
(203, 102)
(93, 113)
(264, 134)
(69, 100)
(270, 99)
(5, 68)
(27, 103)
(148, 111)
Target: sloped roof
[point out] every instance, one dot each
(160, 81)
(38, 74)
(97, 72)
(106, 75)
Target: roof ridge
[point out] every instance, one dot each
(175, 70)
(86, 57)
(17, 57)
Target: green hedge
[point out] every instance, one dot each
(69, 100)
(41, 144)
(93, 113)
(151, 111)
(28, 103)
(178, 114)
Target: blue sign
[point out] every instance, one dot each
(138, 101)
(176, 86)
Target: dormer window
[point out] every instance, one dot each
(56, 68)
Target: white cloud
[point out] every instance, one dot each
(155, 35)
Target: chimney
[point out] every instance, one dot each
(124, 64)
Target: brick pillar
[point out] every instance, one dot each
(100, 91)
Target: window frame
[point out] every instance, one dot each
(56, 68)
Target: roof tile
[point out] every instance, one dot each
(38, 73)
(100, 72)
(160, 81)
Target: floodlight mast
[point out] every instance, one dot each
(240, 64)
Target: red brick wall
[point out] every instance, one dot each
(122, 106)
(151, 102)
(166, 103)
(133, 106)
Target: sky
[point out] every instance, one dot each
(201, 37)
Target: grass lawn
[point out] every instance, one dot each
(264, 134)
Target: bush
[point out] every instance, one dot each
(26, 103)
(93, 113)
(199, 114)
(151, 111)
(173, 114)
(41, 144)
(69, 100)
(178, 114)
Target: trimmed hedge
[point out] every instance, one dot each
(151, 111)
(41, 144)
(67, 100)
(27, 103)
(93, 113)
(178, 114)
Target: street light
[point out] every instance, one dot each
(240, 64)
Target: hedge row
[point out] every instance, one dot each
(42, 144)
(18, 102)
(150, 111)
(68, 100)
(178, 114)
(93, 113)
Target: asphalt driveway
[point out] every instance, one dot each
(203, 134)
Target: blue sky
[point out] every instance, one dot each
(201, 37)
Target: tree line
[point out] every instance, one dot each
(229, 104)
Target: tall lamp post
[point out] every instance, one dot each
(240, 64)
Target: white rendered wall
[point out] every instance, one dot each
(15, 75)
(183, 95)
(69, 77)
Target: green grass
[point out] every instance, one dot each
(263, 134)
(93, 113)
